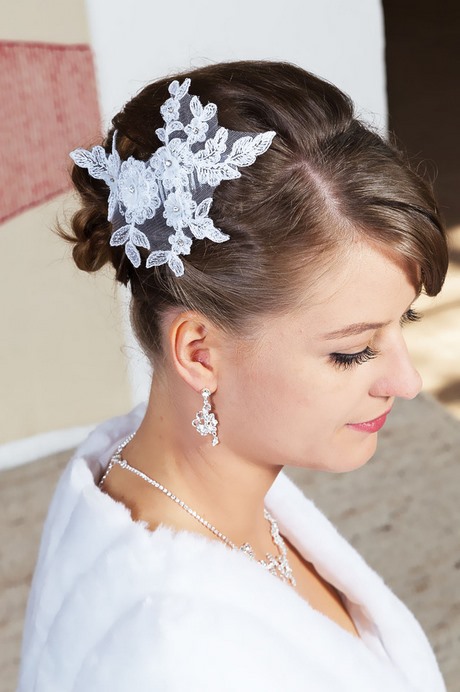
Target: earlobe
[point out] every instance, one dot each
(192, 353)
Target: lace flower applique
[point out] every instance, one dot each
(137, 191)
(173, 189)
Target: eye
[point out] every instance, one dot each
(347, 360)
(410, 316)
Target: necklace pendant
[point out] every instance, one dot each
(277, 566)
(286, 571)
(270, 564)
(247, 550)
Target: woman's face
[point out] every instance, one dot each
(305, 392)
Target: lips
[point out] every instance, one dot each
(370, 426)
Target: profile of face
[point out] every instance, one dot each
(300, 394)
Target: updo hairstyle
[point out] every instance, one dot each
(326, 179)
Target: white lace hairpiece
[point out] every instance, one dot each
(173, 189)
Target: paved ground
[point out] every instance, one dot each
(401, 511)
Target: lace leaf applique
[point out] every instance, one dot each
(179, 90)
(95, 161)
(133, 254)
(160, 257)
(170, 109)
(215, 234)
(246, 149)
(132, 238)
(212, 170)
(202, 226)
(161, 134)
(176, 264)
(155, 259)
(140, 239)
(121, 236)
(112, 205)
(101, 167)
(213, 149)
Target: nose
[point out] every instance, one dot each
(399, 377)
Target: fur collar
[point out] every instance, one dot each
(116, 607)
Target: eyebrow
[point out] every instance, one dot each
(354, 329)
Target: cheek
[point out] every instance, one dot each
(274, 408)
(293, 411)
(291, 393)
(257, 403)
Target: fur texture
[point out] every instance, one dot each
(115, 607)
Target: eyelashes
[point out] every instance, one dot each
(347, 360)
(410, 316)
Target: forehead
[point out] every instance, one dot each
(365, 283)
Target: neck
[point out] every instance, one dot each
(220, 485)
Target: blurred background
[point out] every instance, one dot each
(67, 356)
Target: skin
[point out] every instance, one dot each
(277, 395)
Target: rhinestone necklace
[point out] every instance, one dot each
(277, 565)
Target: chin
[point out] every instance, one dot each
(356, 455)
(338, 457)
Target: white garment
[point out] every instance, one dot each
(115, 607)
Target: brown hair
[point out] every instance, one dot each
(325, 176)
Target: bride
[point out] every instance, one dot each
(274, 246)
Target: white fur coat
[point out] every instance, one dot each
(114, 607)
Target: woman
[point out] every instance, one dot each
(274, 246)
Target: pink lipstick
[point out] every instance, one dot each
(370, 426)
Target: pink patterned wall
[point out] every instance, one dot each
(48, 106)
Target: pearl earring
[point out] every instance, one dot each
(205, 421)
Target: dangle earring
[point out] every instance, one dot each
(205, 421)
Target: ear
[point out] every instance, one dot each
(194, 343)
